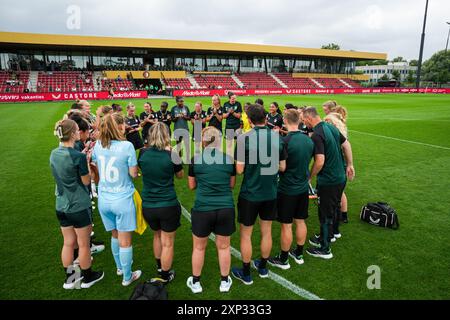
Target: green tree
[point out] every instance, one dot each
(372, 63)
(437, 68)
(411, 78)
(385, 77)
(414, 63)
(396, 75)
(332, 46)
(398, 59)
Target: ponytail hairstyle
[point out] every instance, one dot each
(330, 104)
(158, 136)
(109, 129)
(336, 120)
(278, 108)
(211, 137)
(64, 129)
(342, 111)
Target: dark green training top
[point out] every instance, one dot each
(300, 149)
(180, 123)
(261, 166)
(212, 170)
(327, 141)
(157, 172)
(68, 166)
(232, 122)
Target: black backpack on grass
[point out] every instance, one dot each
(380, 214)
(150, 290)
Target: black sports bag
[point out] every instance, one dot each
(150, 290)
(380, 214)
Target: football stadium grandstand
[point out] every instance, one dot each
(63, 63)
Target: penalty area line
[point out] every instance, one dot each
(272, 275)
(400, 140)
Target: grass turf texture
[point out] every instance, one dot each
(414, 179)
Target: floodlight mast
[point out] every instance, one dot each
(419, 66)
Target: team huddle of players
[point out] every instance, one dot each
(97, 155)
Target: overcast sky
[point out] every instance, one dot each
(390, 26)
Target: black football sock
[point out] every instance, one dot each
(195, 279)
(224, 278)
(86, 274)
(299, 250)
(246, 268)
(263, 263)
(284, 255)
(164, 275)
(158, 263)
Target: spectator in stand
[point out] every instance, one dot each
(110, 93)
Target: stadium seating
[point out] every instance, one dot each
(118, 85)
(177, 83)
(330, 83)
(69, 81)
(64, 81)
(296, 83)
(258, 80)
(353, 83)
(15, 82)
(216, 82)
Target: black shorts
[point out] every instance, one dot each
(77, 220)
(137, 143)
(292, 207)
(166, 219)
(329, 200)
(248, 211)
(220, 222)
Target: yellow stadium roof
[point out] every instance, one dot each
(74, 41)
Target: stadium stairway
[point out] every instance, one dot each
(317, 83)
(34, 79)
(237, 80)
(95, 76)
(193, 82)
(282, 84)
(345, 83)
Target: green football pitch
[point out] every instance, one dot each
(401, 147)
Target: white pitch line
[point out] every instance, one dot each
(398, 119)
(272, 275)
(401, 140)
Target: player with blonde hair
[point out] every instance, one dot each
(213, 175)
(117, 166)
(161, 208)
